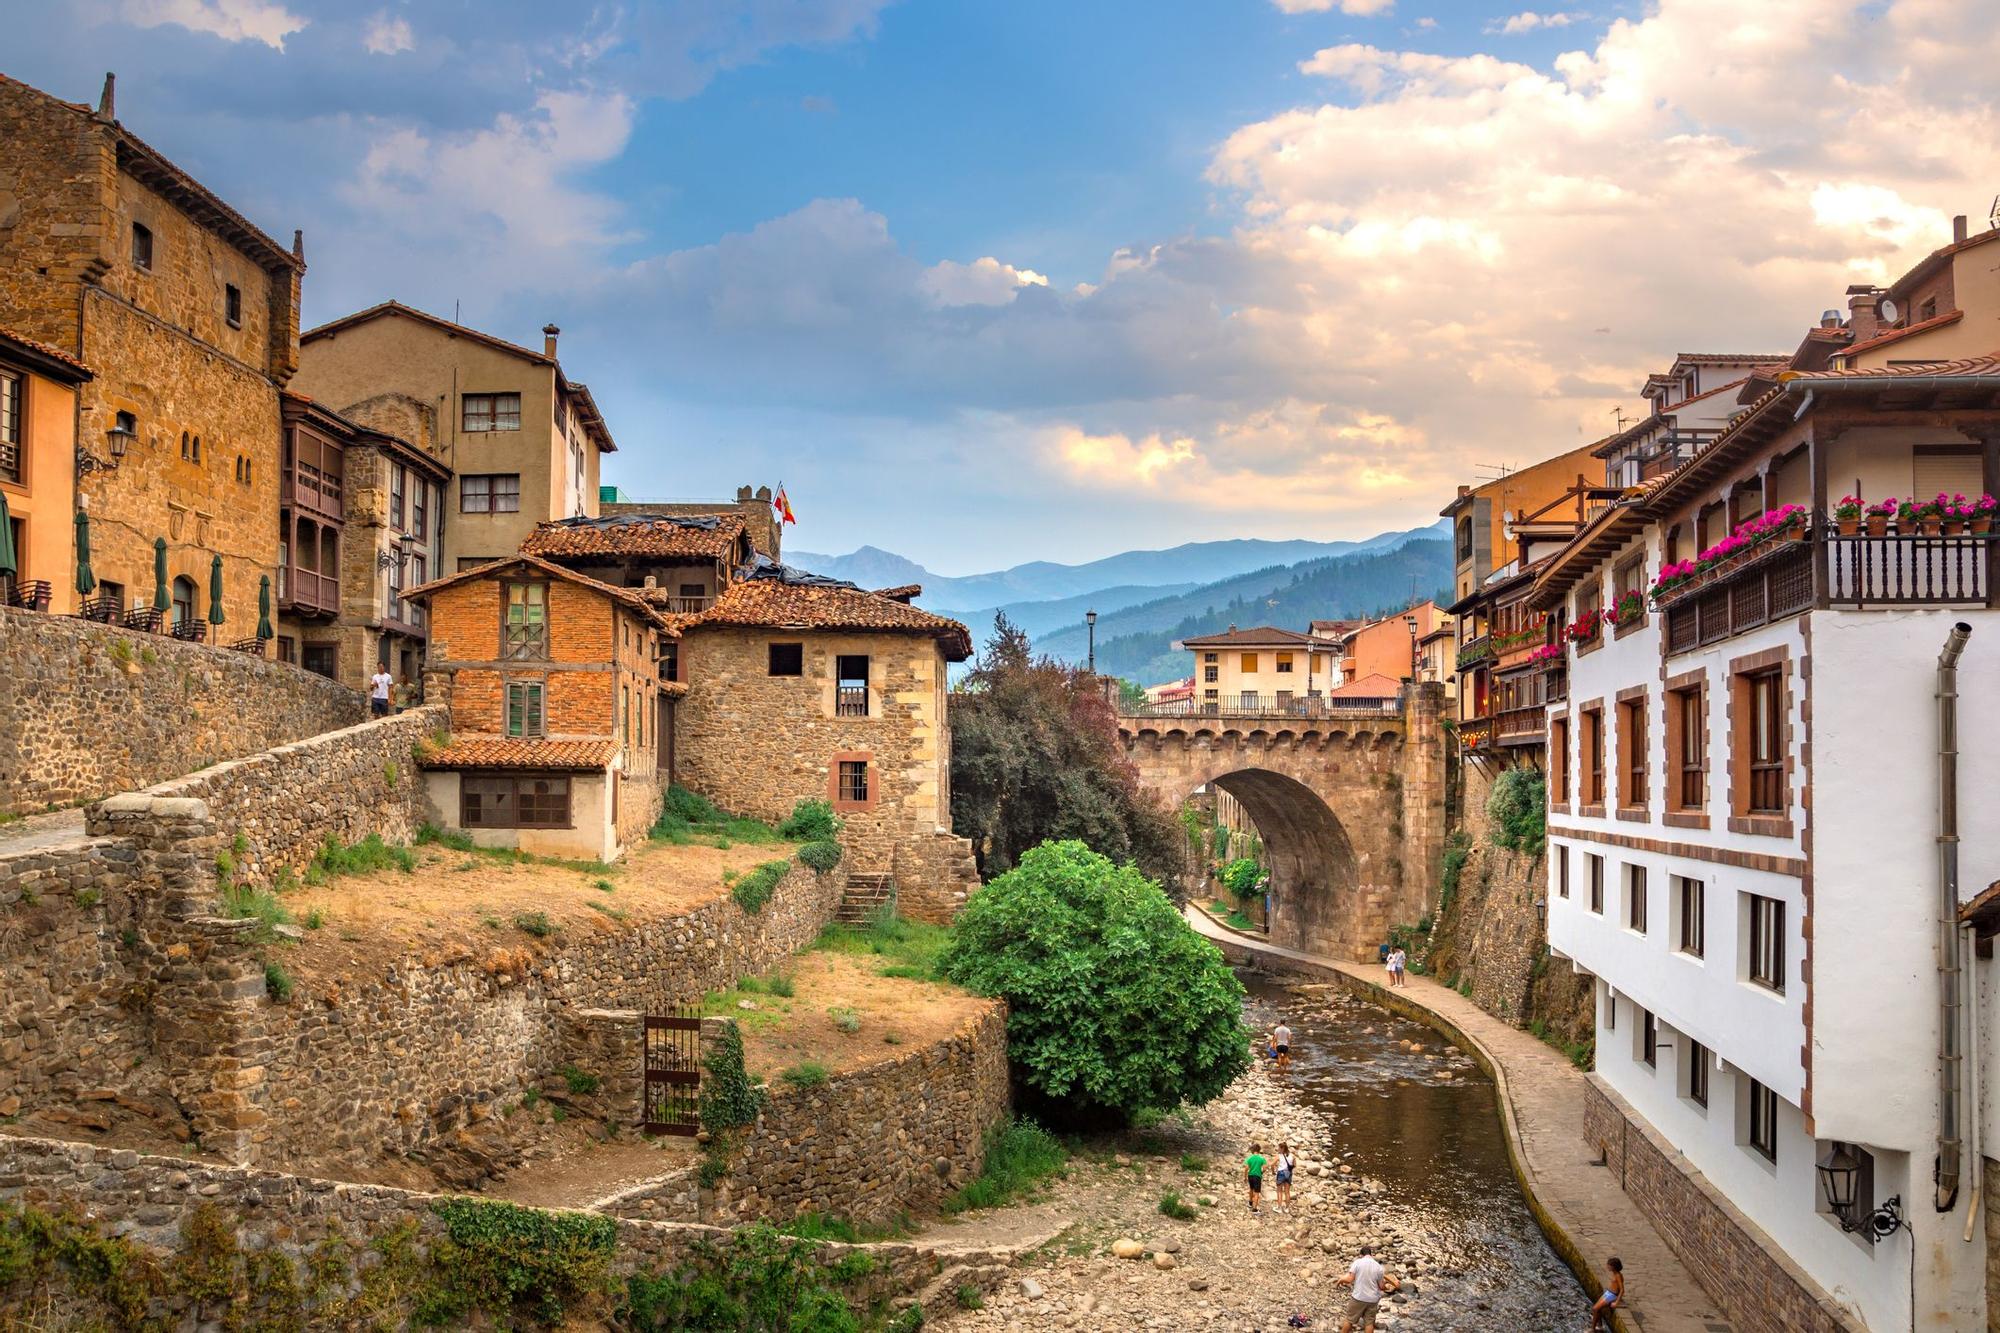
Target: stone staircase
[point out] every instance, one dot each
(866, 896)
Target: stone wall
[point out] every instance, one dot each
(934, 877)
(273, 811)
(94, 710)
(1990, 1201)
(1733, 1260)
(898, 1136)
(149, 1199)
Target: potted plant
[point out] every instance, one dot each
(1982, 515)
(1879, 515)
(1671, 576)
(1930, 515)
(1955, 512)
(1848, 515)
(1786, 521)
(1625, 610)
(1548, 652)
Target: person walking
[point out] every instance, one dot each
(1398, 961)
(1253, 1172)
(1281, 1042)
(1286, 1164)
(378, 691)
(1367, 1283)
(1613, 1297)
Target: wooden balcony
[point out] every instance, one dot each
(1522, 726)
(1772, 581)
(308, 593)
(684, 606)
(850, 701)
(1475, 651)
(313, 491)
(1863, 571)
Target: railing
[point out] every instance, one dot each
(1676, 448)
(1771, 582)
(30, 596)
(306, 487)
(850, 701)
(145, 619)
(685, 606)
(1475, 732)
(1522, 725)
(1265, 705)
(1906, 570)
(194, 631)
(1477, 650)
(253, 647)
(305, 590)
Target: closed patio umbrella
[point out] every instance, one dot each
(9, 561)
(160, 600)
(215, 592)
(86, 582)
(264, 630)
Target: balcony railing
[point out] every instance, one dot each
(1475, 733)
(1267, 705)
(1475, 651)
(1522, 726)
(305, 590)
(685, 606)
(850, 701)
(1772, 582)
(1907, 570)
(306, 487)
(30, 595)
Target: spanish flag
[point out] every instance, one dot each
(783, 506)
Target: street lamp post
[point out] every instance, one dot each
(1090, 628)
(1411, 621)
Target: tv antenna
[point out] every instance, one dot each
(1498, 470)
(1618, 416)
(1993, 213)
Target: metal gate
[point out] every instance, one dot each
(673, 1073)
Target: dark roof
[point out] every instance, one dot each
(53, 362)
(640, 536)
(1728, 358)
(625, 596)
(1260, 636)
(513, 752)
(780, 597)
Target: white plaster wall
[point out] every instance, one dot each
(592, 836)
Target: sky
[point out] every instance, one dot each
(983, 283)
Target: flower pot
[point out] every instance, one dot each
(1849, 526)
(1982, 524)
(1931, 524)
(1954, 527)
(1878, 525)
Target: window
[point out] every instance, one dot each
(1649, 1038)
(420, 511)
(1928, 310)
(1762, 1132)
(419, 575)
(1632, 754)
(1629, 577)
(850, 690)
(1765, 696)
(184, 604)
(319, 659)
(142, 245)
(524, 708)
(1635, 898)
(398, 478)
(788, 659)
(1284, 662)
(492, 411)
(1559, 762)
(1209, 675)
(1562, 870)
(1211, 657)
(670, 661)
(10, 425)
(288, 649)
(1249, 664)
(185, 438)
(393, 607)
(1691, 906)
(232, 305)
(1697, 1073)
(500, 800)
(1767, 942)
(525, 620)
(1610, 1010)
(1687, 717)
(1248, 699)
(494, 493)
(1593, 756)
(1589, 602)
(854, 781)
(1595, 864)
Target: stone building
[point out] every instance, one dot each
(760, 520)
(189, 315)
(686, 561)
(362, 521)
(38, 466)
(557, 723)
(523, 440)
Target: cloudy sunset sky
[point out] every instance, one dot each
(991, 282)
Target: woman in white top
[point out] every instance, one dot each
(1286, 1163)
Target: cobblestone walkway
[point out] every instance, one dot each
(1543, 1095)
(37, 832)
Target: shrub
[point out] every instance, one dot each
(1193, 1162)
(278, 982)
(845, 1019)
(690, 806)
(1457, 851)
(805, 1074)
(1518, 809)
(506, 1258)
(535, 923)
(453, 838)
(1174, 1206)
(969, 1297)
(1019, 1155)
(1114, 1002)
(759, 1280)
(241, 900)
(314, 919)
(810, 821)
(361, 858)
(780, 984)
(581, 1083)
(821, 855)
(753, 889)
(728, 1098)
(1240, 877)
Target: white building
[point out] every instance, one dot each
(1744, 822)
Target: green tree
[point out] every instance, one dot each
(1241, 878)
(1518, 811)
(1035, 755)
(1114, 1004)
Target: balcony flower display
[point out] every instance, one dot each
(1982, 514)
(1916, 515)
(1672, 576)
(1583, 631)
(1625, 610)
(1784, 521)
(1548, 652)
(1521, 638)
(1956, 512)
(1848, 514)
(1879, 515)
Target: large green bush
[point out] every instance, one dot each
(1115, 1004)
(1518, 811)
(811, 821)
(1240, 877)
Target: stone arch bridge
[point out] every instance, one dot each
(1348, 797)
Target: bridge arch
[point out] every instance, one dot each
(1316, 874)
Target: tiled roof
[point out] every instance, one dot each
(902, 592)
(713, 537)
(510, 752)
(1372, 686)
(1727, 358)
(628, 596)
(41, 349)
(1897, 335)
(1260, 636)
(1935, 260)
(1971, 367)
(777, 603)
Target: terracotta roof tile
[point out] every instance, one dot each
(628, 596)
(774, 602)
(1372, 686)
(512, 752)
(42, 349)
(1258, 636)
(1897, 335)
(1729, 358)
(1971, 367)
(652, 536)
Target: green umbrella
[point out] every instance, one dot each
(264, 630)
(86, 582)
(160, 601)
(215, 592)
(9, 562)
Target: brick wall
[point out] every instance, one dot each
(1740, 1268)
(93, 710)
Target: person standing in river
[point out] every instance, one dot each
(1613, 1297)
(1253, 1174)
(1281, 1042)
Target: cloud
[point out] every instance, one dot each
(1528, 20)
(1353, 8)
(232, 20)
(387, 36)
(985, 281)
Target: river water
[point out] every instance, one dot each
(1436, 1147)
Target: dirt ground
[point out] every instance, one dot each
(780, 1031)
(464, 904)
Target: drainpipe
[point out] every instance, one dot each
(1951, 969)
(1973, 1079)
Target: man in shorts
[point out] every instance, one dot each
(1366, 1285)
(1281, 1042)
(1253, 1173)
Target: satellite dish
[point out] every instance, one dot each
(1888, 311)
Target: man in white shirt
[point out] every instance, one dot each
(378, 691)
(1367, 1284)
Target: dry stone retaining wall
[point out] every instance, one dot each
(94, 709)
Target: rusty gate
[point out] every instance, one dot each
(673, 1073)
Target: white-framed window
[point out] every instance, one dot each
(491, 411)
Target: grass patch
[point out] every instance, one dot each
(1193, 1162)
(780, 984)
(725, 1004)
(826, 1226)
(361, 858)
(314, 919)
(431, 835)
(845, 1019)
(240, 901)
(688, 818)
(911, 948)
(1582, 1054)
(278, 982)
(535, 923)
(806, 1074)
(754, 888)
(1174, 1206)
(1019, 1156)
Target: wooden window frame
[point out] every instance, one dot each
(851, 699)
(548, 814)
(1761, 1131)
(1687, 751)
(14, 448)
(232, 305)
(1765, 694)
(535, 725)
(489, 408)
(1589, 607)
(1636, 905)
(837, 787)
(1281, 663)
(1594, 864)
(142, 247)
(1559, 763)
(491, 496)
(793, 669)
(1692, 938)
(1634, 774)
(526, 642)
(1764, 960)
(1590, 772)
(1562, 870)
(1697, 1080)
(1649, 1038)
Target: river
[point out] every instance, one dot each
(1435, 1146)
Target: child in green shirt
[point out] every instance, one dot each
(1253, 1167)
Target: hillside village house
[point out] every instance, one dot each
(38, 413)
(685, 560)
(556, 723)
(188, 314)
(1260, 669)
(522, 439)
(751, 506)
(1394, 646)
(1787, 1001)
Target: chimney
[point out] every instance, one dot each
(107, 101)
(298, 243)
(1829, 319)
(549, 332)
(1864, 308)
(1958, 229)
(743, 495)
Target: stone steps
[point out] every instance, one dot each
(866, 895)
